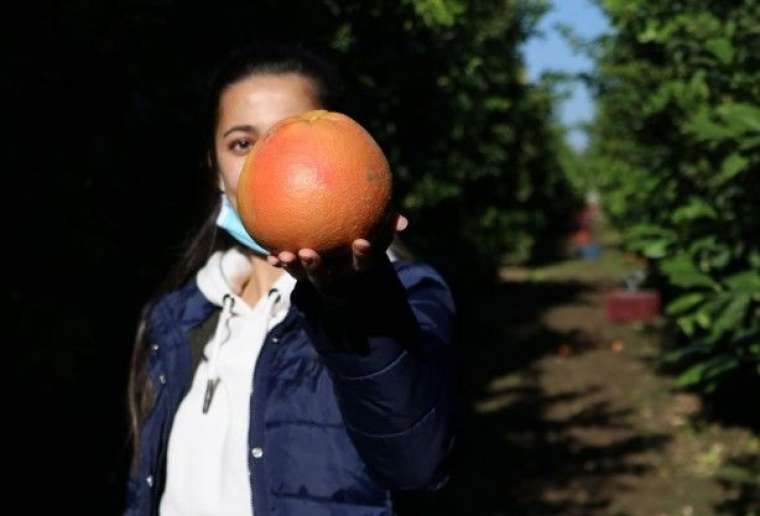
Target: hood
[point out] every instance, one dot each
(221, 281)
(225, 273)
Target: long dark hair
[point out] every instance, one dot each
(236, 66)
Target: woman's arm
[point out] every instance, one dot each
(387, 345)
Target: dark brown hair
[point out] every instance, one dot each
(236, 66)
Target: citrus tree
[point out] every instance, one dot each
(676, 152)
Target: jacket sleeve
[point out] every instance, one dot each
(388, 348)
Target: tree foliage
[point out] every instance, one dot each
(676, 152)
(441, 85)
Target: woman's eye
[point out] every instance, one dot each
(241, 146)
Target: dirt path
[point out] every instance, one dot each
(565, 413)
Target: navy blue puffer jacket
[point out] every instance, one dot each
(352, 400)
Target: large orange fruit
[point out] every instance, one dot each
(316, 180)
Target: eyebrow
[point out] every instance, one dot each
(246, 128)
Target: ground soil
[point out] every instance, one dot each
(564, 412)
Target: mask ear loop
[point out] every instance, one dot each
(220, 184)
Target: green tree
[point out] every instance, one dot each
(676, 151)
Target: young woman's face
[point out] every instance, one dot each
(247, 109)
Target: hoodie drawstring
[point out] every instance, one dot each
(273, 298)
(224, 319)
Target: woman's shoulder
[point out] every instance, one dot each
(184, 306)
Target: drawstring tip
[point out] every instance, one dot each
(210, 387)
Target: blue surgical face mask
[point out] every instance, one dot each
(229, 220)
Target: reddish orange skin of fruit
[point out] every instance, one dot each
(316, 180)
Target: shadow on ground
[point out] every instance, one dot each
(512, 456)
(741, 479)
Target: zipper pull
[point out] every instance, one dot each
(210, 389)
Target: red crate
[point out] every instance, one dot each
(632, 305)
(581, 237)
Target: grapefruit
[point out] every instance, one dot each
(316, 180)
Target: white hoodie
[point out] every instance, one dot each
(207, 461)
(207, 457)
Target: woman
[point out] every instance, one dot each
(288, 384)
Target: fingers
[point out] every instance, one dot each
(314, 268)
(309, 259)
(362, 254)
(401, 223)
(308, 264)
(288, 261)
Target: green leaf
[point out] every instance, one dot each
(731, 166)
(754, 259)
(720, 365)
(705, 128)
(687, 325)
(692, 375)
(495, 103)
(343, 38)
(703, 371)
(652, 241)
(438, 12)
(656, 248)
(712, 309)
(695, 209)
(721, 48)
(703, 318)
(747, 282)
(651, 33)
(731, 317)
(678, 355)
(649, 230)
(720, 257)
(682, 272)
(703, 244)
(749, 143)
(682, 303)
(744, 117)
